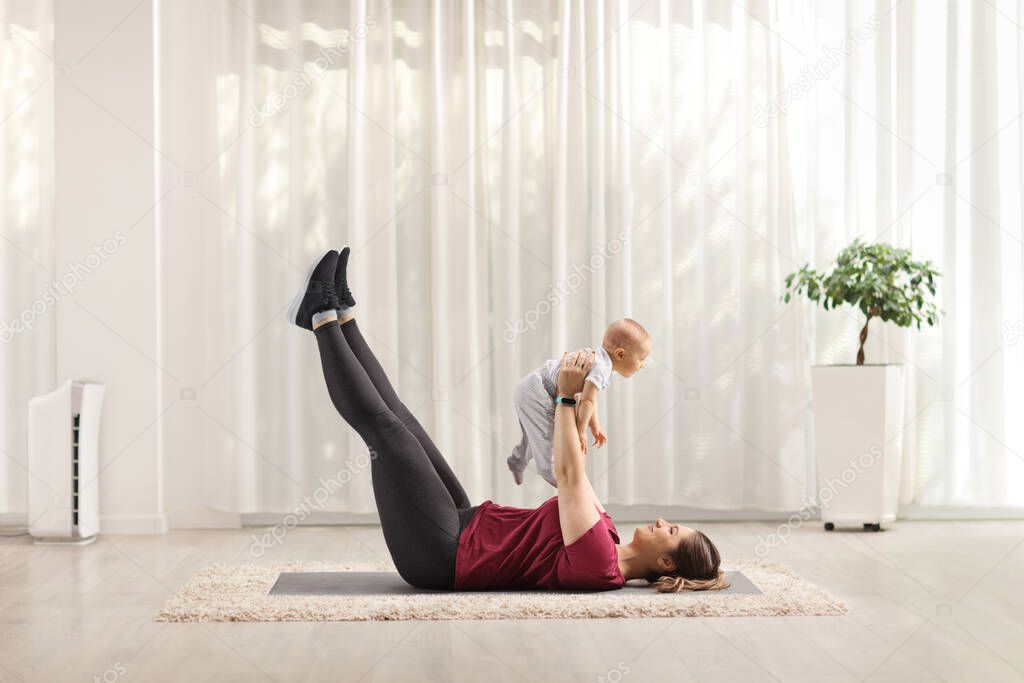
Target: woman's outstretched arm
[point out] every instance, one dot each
(577, 506)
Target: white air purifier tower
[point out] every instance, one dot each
(63, 461)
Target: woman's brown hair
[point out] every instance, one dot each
(697, 567)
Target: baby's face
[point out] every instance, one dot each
(632, 359)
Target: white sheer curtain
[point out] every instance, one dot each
(511, 176)
(915, 139)
(26, 234)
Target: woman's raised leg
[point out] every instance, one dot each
(419, 519)
(380, 380)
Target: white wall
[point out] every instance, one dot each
(129, 324)
(104, 183)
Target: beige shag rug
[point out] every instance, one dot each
(240, 593)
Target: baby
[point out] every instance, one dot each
(624, 349)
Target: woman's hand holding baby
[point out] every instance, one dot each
(571, 376)
(573, 371)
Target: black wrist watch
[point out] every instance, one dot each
(565, 401)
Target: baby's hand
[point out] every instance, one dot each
(599, 437)
(583, 444)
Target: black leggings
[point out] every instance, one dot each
(422, 506)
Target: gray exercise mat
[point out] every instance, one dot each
(390, 583)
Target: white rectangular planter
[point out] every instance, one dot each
(858, 415)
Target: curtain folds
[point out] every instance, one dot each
(514, 175)
(27, 297)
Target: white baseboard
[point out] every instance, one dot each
(16, 519)
(621, 513)
(676, 513)
(204, 519)
(212, 519)
(315, 518)
(948, 514)
(133, 524)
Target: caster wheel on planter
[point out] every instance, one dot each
(829, 526)
(872, 527)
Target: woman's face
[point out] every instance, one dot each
(657, 541)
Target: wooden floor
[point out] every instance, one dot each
(930, 601)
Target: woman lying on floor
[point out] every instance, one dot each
(436, 538)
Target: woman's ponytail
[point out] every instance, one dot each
(697, 567)
(681, 584)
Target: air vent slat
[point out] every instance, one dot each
(74, 470)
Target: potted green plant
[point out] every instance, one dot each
(858, 408)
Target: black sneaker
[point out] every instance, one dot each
(317, 293)
(341, 279)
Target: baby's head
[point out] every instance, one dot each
(628, 344)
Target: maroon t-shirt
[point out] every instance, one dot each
(506, 547)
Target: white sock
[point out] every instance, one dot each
(324, 315)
